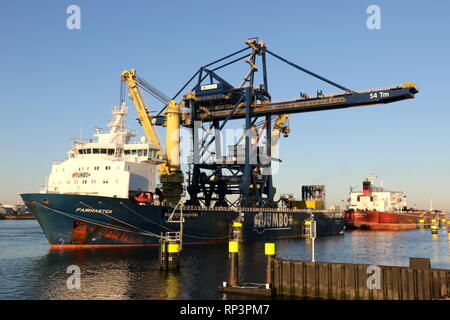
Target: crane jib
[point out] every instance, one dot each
(356, 99)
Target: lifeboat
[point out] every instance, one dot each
(143, 197)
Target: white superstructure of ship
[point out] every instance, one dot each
(376, 198)
(111, 166)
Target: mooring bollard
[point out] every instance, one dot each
(233, 250)
(269, 250)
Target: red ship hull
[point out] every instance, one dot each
(382, 221)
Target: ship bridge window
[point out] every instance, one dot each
(95, 151)
(88, 151)
(110, 152)
(103, 151)
(80, 151)
(140, 153)
(126, 152)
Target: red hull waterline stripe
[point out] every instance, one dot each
(82, 246)
(89, 246)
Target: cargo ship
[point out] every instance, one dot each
(105, 194)
(377, 208)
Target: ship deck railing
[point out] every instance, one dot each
(332, 213)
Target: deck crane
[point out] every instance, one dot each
(213, 102)
(171, 176)
(279, 128)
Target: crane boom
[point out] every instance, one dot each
(130, 78)
(308, 104)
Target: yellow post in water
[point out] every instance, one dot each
(233, 246)
(269, 250)
(173, 258)
(233, 249)
(434, 229)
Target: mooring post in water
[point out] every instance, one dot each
(233, 250)
(434, 229)
(169, 252)
(269, 250)
(421, 224)
(173, 257)
(434, 226)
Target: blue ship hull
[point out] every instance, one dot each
(82, 221)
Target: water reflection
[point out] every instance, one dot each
(29, 270)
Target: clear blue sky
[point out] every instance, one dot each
(54, 79)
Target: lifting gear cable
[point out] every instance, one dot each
(152, 90)
(310, 72)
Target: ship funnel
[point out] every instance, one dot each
(366, 188)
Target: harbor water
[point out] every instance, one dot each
(30, 270)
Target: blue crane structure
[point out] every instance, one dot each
(214, 102)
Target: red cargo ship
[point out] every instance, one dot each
(377, 208)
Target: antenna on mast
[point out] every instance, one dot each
(81, 129)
